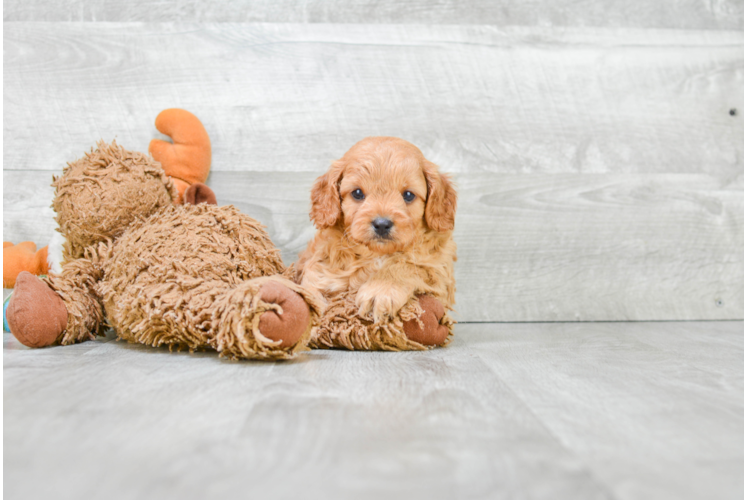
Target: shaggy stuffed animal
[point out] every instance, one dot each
(193, 275)
(186, 161)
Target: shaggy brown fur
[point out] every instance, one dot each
(99, 195)
(192, 276)
(77, 286)
(379, 178)
(342, 327)
(204, 270)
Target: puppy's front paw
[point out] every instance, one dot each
(377, 300)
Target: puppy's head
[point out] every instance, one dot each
(384, 194)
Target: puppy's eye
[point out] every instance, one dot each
(358, 194)
(408, 196)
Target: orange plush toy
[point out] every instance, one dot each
(186, 161)
(22, 257)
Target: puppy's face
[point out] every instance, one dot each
(383, 201)
(384, 194)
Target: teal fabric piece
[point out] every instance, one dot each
(6, 328)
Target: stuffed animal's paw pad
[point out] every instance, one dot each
(426, 329)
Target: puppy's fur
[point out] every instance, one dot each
(347, 254)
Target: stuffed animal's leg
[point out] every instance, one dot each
(427, 329)
(261, 318)
(269, 317)
(77, 286)
(61, 309)
(421, 324)
(36, 315)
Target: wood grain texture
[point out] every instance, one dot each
(652, 407)
(745, 204)
(293, 97)
(536, 411)
(567, 247)
(27, 206)
(676, 14)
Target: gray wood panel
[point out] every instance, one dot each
(745, 207)
(27, 206)
(293, 97)
(536, 411)
(674, 14)
(566, 247)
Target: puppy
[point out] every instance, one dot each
(384, 216)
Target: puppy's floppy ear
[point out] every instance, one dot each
(326, 197)
(441, 202)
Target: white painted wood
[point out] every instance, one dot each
(293, 97)
(600, 171)
(568, 247)
(679, 14)
(541, 411)
(745, 201)
(27, 210)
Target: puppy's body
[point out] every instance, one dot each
(385, 217)
(333, 263)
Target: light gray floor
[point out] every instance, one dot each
(544, 410)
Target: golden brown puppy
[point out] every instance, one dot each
(384, 216)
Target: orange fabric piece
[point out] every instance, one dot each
(22, 257)
(188, 159)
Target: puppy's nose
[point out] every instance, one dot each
(382, 226)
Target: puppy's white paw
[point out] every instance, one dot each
(378, 300)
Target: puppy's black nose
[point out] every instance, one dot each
(382, 226)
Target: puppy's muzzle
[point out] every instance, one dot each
(382, 226)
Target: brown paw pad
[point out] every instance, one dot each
(36, 314)
(431, 333)
(290, 326)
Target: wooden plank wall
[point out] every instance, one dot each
(745, 194)
(598, 151)
(671, 14)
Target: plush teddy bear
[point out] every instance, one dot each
(195, 275)
(186, 161)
